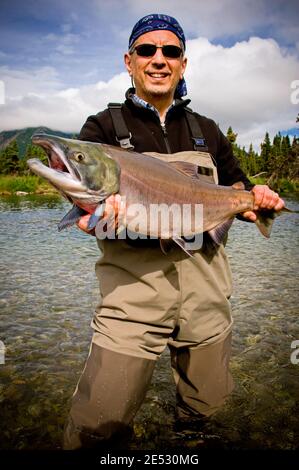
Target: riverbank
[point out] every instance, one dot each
(23, 185)
(282, 185)
(31, 184)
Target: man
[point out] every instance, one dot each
(151, 299)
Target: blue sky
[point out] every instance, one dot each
(62, 60)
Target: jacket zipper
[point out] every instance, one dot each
(165, 137)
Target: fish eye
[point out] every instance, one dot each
(80, 157)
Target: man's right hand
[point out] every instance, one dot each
(114, 213)
(83, 224)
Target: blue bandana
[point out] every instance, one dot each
(160, 22)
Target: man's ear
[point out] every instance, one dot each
(127, 59)
(184, 65)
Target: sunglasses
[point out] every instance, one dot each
(149, 50)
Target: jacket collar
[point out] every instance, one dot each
(131, 96)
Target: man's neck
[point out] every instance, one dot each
(161, 103)
(162, 109)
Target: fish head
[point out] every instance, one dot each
(82, 171)
(96, 169)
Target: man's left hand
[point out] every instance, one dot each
(264, 198)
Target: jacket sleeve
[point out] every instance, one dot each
(229, 170)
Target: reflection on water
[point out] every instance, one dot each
(47, 296)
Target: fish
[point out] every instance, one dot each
(88, 173)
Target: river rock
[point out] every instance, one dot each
(21, 193)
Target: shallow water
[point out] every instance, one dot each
(48, 291)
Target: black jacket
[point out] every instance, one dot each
(148, 135)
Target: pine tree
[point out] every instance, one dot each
(231, 135)
(266, 153)
(32, 151)
(252, 163)
(9, 159)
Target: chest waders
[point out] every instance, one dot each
(150, 300)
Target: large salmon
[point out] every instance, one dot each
(87, 173)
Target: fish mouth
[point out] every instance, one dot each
(56, 153)
(60, 172)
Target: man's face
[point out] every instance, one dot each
(156, 76)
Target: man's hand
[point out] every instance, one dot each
(264, 198)
(83, 223)
(113, 213)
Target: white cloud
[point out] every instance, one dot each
(226, 18)
(19, 83)
(64, 110)
(247, 86)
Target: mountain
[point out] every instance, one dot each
(23, 137)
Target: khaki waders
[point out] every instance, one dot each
(151, 300)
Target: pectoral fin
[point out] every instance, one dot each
(71, 217)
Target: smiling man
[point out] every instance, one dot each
(157, 64)
(151, 299)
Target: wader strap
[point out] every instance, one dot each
(122, 133)
(199, 141)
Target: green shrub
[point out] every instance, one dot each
(29, 184)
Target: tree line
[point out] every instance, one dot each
(277, 160)
(12, 164)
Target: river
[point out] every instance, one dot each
(48, 291)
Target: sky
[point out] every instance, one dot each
(62, 60)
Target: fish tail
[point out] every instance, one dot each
(264, 219)
(264, 222)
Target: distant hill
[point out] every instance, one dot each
(23, 137)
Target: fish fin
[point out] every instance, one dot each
(71, 217)
(238, 185)
(285, 209)
(162, 246)
(219, 232)
(165, 245)
(95, 217)
(265, 219)
(187, 168)
(182, 244)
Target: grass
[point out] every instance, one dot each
(281, 185)
(10, 184)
